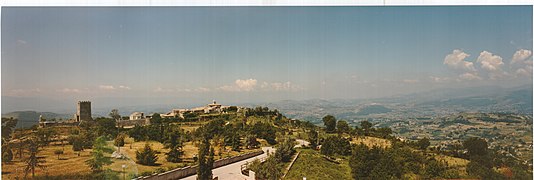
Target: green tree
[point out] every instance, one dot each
(114, 114)
(175, 154)
(374, 163)
(434, 169)
(105, 127)
(271, 169)
(313, 137)
(251, 142)
(366, 127)
(384, 132)
(204, 166)
(7, 155)
(58, 152)
(138, 133)
(476, 146)
(234, 140)
(77, 143)
(33, 161)
(173, 141)
(343, 126)
(336, 145)
(478, 170)
(423, 143)
(88, 137)
(210, 161)
(330, 123)
(264, 131)
(156, 119)
(146, 156)
(119, 140)
(8, 124)
(98, 160)
(45, 135)
(285, 150)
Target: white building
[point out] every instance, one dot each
(137, 116)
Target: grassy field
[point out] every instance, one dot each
(68, 164)
(162, 164)
(312, 165)
(456, 163)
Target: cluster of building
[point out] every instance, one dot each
(83, 113)
(139, 118)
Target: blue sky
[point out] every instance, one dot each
(252, 54)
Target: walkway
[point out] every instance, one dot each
(233, 171)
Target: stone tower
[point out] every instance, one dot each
(83, 111)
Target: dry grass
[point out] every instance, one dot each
(189, 148)
(452, 161)
(372, 141)
(69, 163)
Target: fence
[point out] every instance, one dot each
(192, 170)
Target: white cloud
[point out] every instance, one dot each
(246, 85)
(23, 92)
(491, 65)
(439, 79)
(520, 56)
(203, 89)
(489, 61)
(411, 81)
(227, 88)
(106, 87)
(69, 90)
(456, 60)
(524, 72)
(21, 42)
(163, 90)
(521, 63)
(111, 87)
(525, 69)
(240, 85)
(124, 87)
(469, 76)
(279, 86)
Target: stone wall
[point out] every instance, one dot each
(132, 123)
(192, 170)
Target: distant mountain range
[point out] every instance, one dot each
(435, 102)
(429, 103)
(30, 118)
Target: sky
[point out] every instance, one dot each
(259, 54)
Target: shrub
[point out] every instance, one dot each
(147, 156)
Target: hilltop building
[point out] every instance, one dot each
(136, 119)
(137, 116)
(83, 111)
(209, 108)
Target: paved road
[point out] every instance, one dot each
(233, 171)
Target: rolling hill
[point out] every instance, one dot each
(30, 118)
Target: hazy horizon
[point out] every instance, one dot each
(192, 55)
